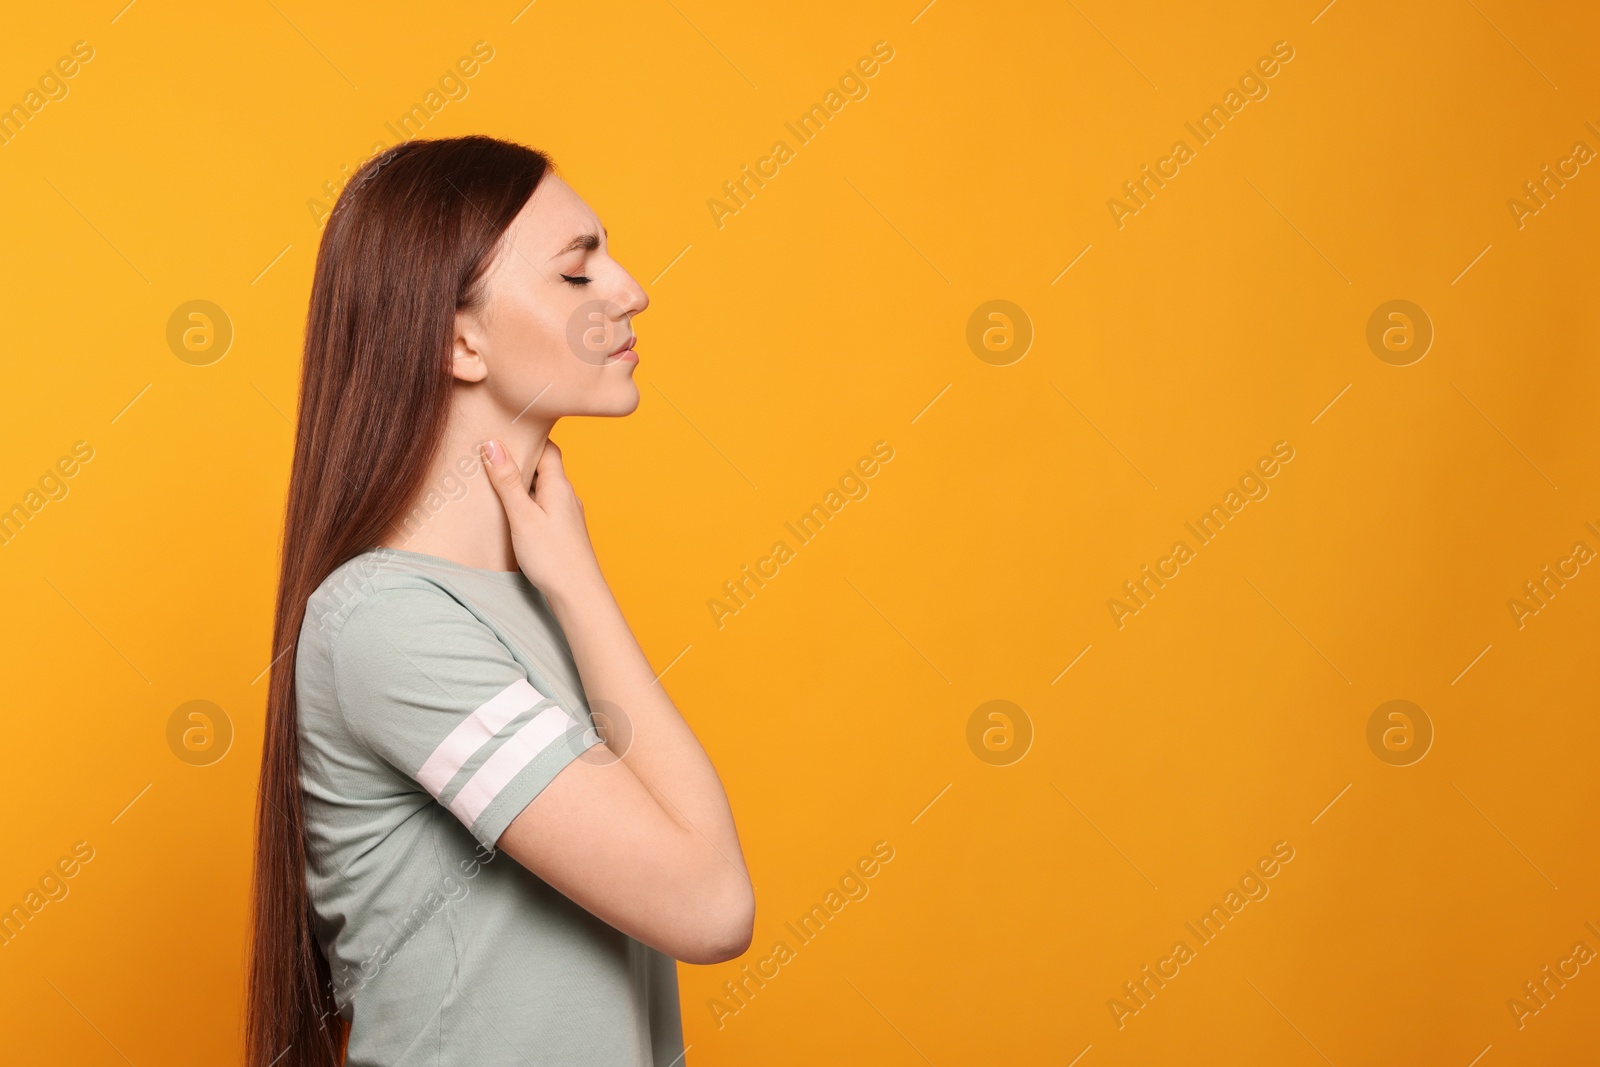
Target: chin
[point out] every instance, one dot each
(624, 402)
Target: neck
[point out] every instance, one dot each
(457, 514)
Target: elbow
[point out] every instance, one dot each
(739, 923)
(727, 926)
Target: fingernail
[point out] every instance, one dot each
(492, 453)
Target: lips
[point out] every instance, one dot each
(626, 351)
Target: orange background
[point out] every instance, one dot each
(829, 313)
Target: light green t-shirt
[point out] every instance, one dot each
(435, 701)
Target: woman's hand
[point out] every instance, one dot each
(548, 532)
(644, 841)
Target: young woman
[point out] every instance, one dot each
(454, 865)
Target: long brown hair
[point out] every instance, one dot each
(406, 246)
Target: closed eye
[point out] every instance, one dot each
(576, 280)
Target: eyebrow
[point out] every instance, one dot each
(586, 241)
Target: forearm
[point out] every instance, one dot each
(657, 745)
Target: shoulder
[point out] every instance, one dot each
(375, 612)
(354, 630)
(385, 625)
(373, 585)
(380, 633)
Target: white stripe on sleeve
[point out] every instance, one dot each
(519, 750)
(473, 732)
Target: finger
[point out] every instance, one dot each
(506, 477)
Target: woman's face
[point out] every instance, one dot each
(557, 312)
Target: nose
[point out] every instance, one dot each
(630, 297)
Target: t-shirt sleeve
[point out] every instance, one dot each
(431, 690)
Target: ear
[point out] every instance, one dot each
(467, 349)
